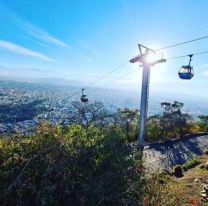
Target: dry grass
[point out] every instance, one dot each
(186, 189)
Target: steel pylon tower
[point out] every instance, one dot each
(142, 58)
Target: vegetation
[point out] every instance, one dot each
(159, 193)
(170, 124)
(204, 122)
(89, 162)
(178, 171)
(185, 189)
(74, 166)
(190, 164)
(95, 115)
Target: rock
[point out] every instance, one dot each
(205, 187)
(202, 166)
(205, 192)
(197, 180)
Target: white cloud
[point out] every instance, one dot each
(29, 28)
(41, 34)
(21, 50)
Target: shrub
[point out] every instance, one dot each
(72, 167)
(157, 194)
(190, 164)
(206, 152)
(178, 171)
(76, 166)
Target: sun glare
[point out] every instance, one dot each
(152, 57)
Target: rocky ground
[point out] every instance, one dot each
(192, 188)
(165, 155)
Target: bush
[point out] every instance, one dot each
(76, 166)
(159, 193)
(206, 152)
(178, 171)
(190, 164)
(72, 167)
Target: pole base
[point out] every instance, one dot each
(141, 145)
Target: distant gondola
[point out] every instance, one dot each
(84, 98)
(186, 72)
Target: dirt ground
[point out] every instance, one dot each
(187, 189)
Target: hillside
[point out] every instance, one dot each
(188, 188)
(165, 155)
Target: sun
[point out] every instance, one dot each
(152, 57)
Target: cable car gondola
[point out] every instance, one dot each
(84, 98)
(186, 72)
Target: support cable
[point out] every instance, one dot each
(194, 54)
(105, 75)
(113, 80)
(181, 43)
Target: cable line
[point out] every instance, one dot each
(194, 54)
(124, 63)
(104, 76)
(113, 80)
(181, 43)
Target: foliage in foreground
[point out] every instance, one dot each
(75, 166)
(71, 167)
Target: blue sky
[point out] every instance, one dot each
(83, 39)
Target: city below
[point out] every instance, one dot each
(23, 105)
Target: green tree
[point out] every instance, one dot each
(154, 129)
(90, 114)
(174, 122)
(127, 120)
(204, 122)
(171, 123)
